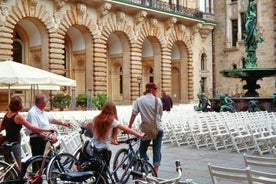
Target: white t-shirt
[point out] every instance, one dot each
(106, 143)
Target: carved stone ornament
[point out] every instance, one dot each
(3, 1)
(205, 30)
(81, 9)
(33, 2)
(154, 22)
(181, 28)
(105, 8)
(121, 16)
(140, 16)
(170, 23)
(3, 13)
(197, 27)
(4, 10)
(59, 4)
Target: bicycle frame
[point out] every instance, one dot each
(9, 168)
(39, 173)
(131, 158)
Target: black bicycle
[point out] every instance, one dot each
(124, 160)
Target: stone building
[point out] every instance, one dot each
(107, 45)
(229, 48)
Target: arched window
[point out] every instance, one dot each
(203, 61)
(17, 49)
(151, 75)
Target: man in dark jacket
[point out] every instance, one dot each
(167, 101)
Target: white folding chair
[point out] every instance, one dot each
(261, 177)
(260, 163)
(228, 174)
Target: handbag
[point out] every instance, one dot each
(150, 128)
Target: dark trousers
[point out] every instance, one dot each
(37, 145)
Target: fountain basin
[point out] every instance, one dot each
(250, 75)
(244, 73)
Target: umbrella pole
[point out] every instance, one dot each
(9, 93)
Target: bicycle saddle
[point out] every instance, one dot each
(9, 144)
(76, 176)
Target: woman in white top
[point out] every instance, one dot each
(105, 128)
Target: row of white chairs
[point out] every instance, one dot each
(242, 131)
(258, 169)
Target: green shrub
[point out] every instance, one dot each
(61, 101)
(81, 100)
(99, 100)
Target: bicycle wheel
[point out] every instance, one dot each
(120, 167)
(101, 178)
(7, 173)
(31, 167)
(64, 162)
(144, 167)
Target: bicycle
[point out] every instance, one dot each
(33, 169)
(9, 171)
(145, 178)
(123, 161)
(134, 159)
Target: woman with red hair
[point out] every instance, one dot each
(105, 128)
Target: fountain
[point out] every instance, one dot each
(250, 73)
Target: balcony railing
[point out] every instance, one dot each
(166, 6)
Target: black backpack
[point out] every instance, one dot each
(89, 160)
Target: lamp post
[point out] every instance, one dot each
(201, 82)
(139, 80)
(73, 99)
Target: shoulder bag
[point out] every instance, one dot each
(150, 128)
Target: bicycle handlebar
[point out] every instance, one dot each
(128, 141)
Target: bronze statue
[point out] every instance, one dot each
(204, 104)
(253, 106)
(227, 104)
(253, 37)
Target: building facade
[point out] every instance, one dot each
(107, 45)
(229, 46)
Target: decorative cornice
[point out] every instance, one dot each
(205, 30)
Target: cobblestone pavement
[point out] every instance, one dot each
(195, 162)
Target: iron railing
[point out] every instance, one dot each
(166, 6)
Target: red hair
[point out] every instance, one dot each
(103, 122)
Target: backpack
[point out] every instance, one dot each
(88, 160)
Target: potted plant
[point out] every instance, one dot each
(81, 100)
(61, 101)
(99, 100)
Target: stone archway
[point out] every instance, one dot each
(118, 52)
(78, 58)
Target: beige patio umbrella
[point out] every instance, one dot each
(14, 74)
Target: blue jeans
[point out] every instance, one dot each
(156, 149)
